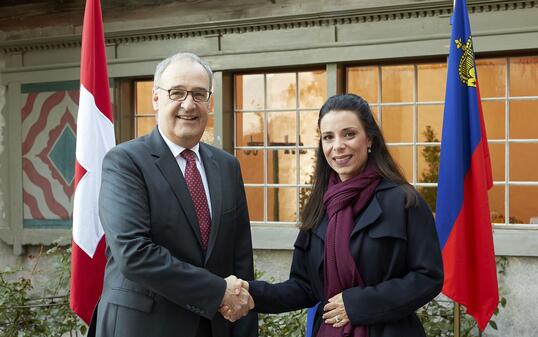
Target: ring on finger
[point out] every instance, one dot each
(337, 318)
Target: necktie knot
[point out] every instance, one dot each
(189, 155)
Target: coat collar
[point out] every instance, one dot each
(169, 168)
(370, 214)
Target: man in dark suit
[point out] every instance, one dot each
(176, 222)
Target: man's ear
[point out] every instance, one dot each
(155, 99)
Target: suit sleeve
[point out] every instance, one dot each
(243, 256)
(397, 298)
(125, 216)
(293, 294)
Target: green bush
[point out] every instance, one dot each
(26, 314)
(437, 316)
(23, 313)
(291, 324)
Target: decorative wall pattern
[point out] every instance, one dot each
(48, 155)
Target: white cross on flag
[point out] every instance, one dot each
(95, 136)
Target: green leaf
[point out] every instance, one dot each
(503, 302)
(493, 324)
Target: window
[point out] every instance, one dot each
(408, 102)
(275, 137)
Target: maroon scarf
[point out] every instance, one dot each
(343, 202)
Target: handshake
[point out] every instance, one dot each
(237, 301)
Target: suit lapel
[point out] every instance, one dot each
(169, 168)
(368, 216)
(212, 172)
(373, 210)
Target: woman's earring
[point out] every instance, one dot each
(369, 150)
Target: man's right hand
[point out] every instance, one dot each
(237, 301)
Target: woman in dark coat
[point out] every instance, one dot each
(367, 249)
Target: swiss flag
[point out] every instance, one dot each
(95, 136)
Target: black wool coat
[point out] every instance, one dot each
(397, 253)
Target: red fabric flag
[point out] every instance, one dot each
(462, 210)
(95, 136)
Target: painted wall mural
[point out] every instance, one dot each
(48, 153)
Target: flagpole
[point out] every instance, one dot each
(457, 321)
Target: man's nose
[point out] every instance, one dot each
(188, 103)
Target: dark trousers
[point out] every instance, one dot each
(204, 328)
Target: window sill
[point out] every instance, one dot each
(509, 240)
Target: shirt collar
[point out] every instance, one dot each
(176, 149)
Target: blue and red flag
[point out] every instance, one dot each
(462, 210)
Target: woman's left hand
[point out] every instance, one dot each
(335, 312)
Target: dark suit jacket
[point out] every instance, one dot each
(397, 254)
(158, 281)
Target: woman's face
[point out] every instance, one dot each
(344, 142)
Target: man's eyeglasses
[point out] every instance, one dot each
(179, 95)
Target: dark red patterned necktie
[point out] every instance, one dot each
(199, 199)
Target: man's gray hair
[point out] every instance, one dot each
(181, 56)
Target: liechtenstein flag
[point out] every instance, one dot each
(462, 210)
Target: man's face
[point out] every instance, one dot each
(182, 122)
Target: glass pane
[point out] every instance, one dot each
(209, 133)
(397, 123)
(403, 155)
(281, 91)
(375, 113)
(428, 163)
(523, 162)
(312, 89)
(431, 82)
(304, 194)
(496, 204)
(249, 128)
(212, 104)
(143, 98)
(309, 135)
(307, 162)
(255, 200)
(496, 153)
(524, 76)
(523, 205)
(494, 119)
(249, 93)
(282, 204)
(281, 166)
(524, 119)
(397, 83)
(429, 194)
(251, 165)
(430, 123)
(364, 81)
(282, 128)
(144, 125)
(491, 77)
